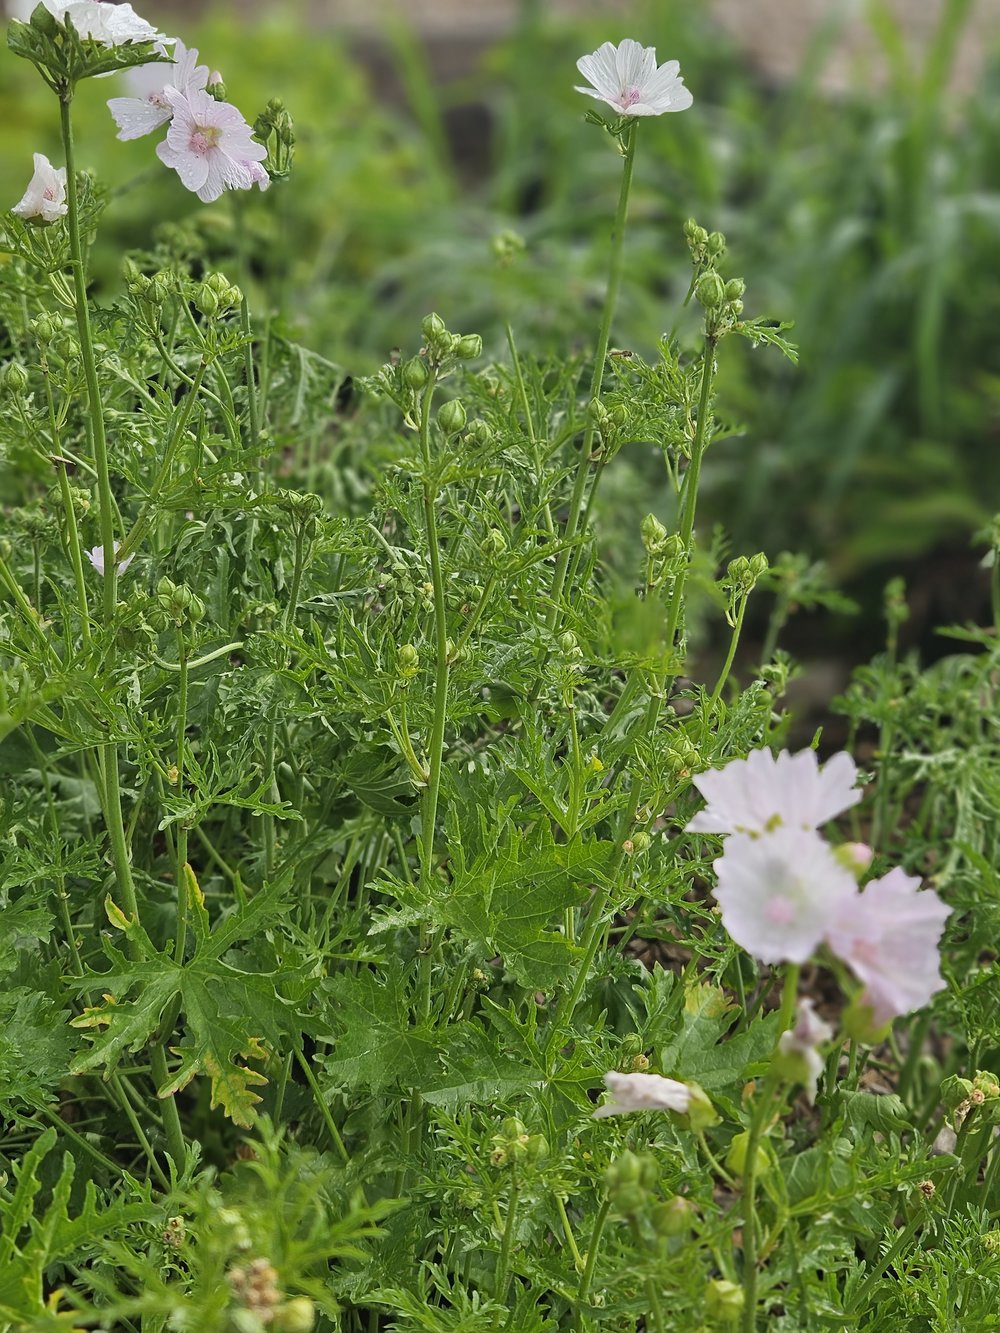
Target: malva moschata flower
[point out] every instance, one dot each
(147, 108)
(888, 935)
(96, 557)
(764, 792)
(108, 24)
(643, 1092)
(209, 145)
(45, 197)
(628, 79)
(779, 893)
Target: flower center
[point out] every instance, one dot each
(779, 911)
(629, 97)
(204, 137)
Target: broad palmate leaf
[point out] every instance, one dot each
(230, 1016)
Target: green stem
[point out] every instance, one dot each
(181, 845)
(578, 1260)
(321, 1106)
(435, 749)
(272, 730)
(507, 1244)
(728, 664)
(171, 1118)
(96, 412)
(615, 269)
(593, 1249)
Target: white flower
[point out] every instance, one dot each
(21, 9)
(108, 24)
(762, 792)
(643, 1092)
(209, 145)
(800, 1045)
(627, 78)
(779, 893)
(147, 108)
(45, 196)
(96, 557)
(888, 935)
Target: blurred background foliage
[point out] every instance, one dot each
(869, 216)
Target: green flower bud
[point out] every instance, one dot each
(479, 435)
(716, 243)
(13, 378)
(207, 301)
(735, 288)
(654, 534)
(495, 542)
(408, 661)
(218, 91)
(736, 1157)
(469, 347)
(415, 373)
(986, 1083)
(44, 328)
(710, 290)
(451, 416)
(432, 327)
(954, 1091)
(295, 1316)
(675, 1217)
(724, 1300)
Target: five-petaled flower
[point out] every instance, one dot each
(779, 894)
(45, 197)
(147, 108)
(209, 145)
(108, 24)
(764, 792)
(96, 557)
(628, 79)
(643, 1092)
(888, 935)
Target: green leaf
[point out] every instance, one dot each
(379, 1046)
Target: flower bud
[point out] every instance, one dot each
(495, 542)
(654, 534)
(710, 290)
(432, 327)
(207, 301)
(724, 1300)
(716, 243)
(479, 435)
(736, 1157)
(415, 373)
(735, 288)
(469, 347)
(675, 1217)
(13, 378)
(408, 661)
(451, 416)
(44, 328)
(295, 1316)
(216, 87)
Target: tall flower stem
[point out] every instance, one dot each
(435, 749)
(112, 781)
(758, 1120)
(181, 837)
(615, 268)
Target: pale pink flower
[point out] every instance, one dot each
(209, 145)
(96, 557)
(888, 935)
(627, 78)
(800, 1045)
(779, 893)
(45, 197)
(147, 108)
(765, 792)
(108, 24)
(643, 1092)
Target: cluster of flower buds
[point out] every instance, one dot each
(962, 1096)
(721, 299)
(176, 603)
(513, 1145)
(275, 130)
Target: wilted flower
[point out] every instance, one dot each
(764, 792)
(96, 557)
(147, 108)
(643, 1092)
(627, 78)
(108, 24)
(209, 145)
(888, 935)
(780, 893)
(800, 1047)
(45, 197)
